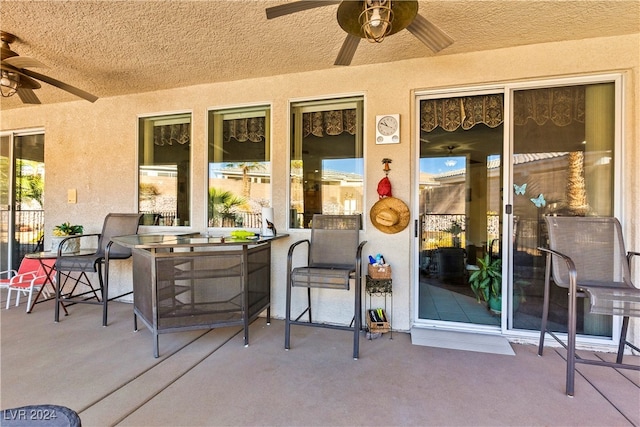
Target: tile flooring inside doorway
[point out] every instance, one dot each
(454, 302)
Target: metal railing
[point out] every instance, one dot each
(436, 230)
(234, 219)
(158, 217)
(29, 233)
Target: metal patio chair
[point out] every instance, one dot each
(450, 264)
(334, 257)
(115, 224)
(587, 256)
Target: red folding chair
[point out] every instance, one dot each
(31, 275)
(26, 266)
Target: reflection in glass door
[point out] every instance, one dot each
(563, 157)
(460, 200)
(21, 196)
(6, 228)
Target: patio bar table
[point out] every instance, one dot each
(188, 282)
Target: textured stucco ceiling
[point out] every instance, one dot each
(112, 48)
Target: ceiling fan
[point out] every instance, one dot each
(359, 19)
(16, 78)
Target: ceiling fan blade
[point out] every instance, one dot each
(27, 96)
(23, 62)
(29, 83)
(429, 34)
(347, 50)
(296, 6)
(64, 86)
(25, 81)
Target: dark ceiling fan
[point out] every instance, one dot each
(16, 78)
(404, 15)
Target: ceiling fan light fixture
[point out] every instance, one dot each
(9, 83)
(375, 19)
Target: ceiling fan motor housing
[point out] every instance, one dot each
(404, 12)
(17, 78)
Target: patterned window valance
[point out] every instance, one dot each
(242, 130)
(561, 106)
(452, 113)
(172, 134)
(334, 122)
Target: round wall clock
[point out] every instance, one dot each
(388, 129)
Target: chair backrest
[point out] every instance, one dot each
(41, 273)
(594, 244)
(117, 224)
(472, 255)
(28, 265)
(334, 241)
(35, 267)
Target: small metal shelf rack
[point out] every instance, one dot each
(379, 288)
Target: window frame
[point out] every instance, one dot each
(215, 117)
(170, 116)
(329, 103)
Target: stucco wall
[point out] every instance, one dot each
(92, 147)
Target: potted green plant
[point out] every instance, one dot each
(61, 232)
(486, 282)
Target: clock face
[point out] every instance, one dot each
(387, 125)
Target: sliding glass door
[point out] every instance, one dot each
(491, 165)
(461, 143)
(562, 164)
(21, 196)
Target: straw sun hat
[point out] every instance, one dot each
(390, 215)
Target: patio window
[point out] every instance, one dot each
(164, 167)
(326, 159)
(239, 166)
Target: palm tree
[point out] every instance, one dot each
(222, 205)
(246, 167)
(30, 187)
(576, 188)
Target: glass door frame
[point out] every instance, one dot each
(8, 210)
(7, 220)
(508, 90)
(440, 94)
(508, 228)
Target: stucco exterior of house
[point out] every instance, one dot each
(93, 147)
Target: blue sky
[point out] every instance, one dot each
(436, 165)
(433, 165)
(345, 165)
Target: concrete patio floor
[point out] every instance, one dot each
(208, 378)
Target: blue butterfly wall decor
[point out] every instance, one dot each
(539, 201)
(520, 189)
